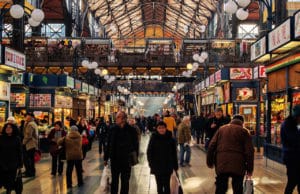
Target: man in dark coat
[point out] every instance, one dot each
(102, 134)
(290, 137)
(122, 144)
(232, 153)
(214, 124)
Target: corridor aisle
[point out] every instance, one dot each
(197, 179)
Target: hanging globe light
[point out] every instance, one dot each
(38, 15)
(241, 14)
(33, 23)
(85, 63)
(104, 72)
(196, 56)
(243, 3)
(230, 7)
(16, 11)
(94, 65)
(204, 55)
(97, 71)
(189, 66)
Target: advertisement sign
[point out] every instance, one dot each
(227, 92)
(280, 35)
(218, 76)
(262, 71)
(16, 78)
(77, 85)
(85, 87)
(63, 101)
(91, 90)
(18, 98)
(255, 72)
(296, 98)
(240, 73)
(258, 49)
(70, 82)
(297, 25)
(219, 95)
(4, 91)
(40, 100)
(14, 59)
(243, 94)
(212, 79)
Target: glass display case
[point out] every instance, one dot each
(278, 107)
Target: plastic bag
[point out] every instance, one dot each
(248, 186)
(175, 185)
(105, 182)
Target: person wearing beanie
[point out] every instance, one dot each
(290, 138)
(73, 147)
(232, 154)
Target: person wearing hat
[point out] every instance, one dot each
(74, 156)
(232, 154)
(30, 144)
(290, 138)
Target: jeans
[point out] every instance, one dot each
(293, 176)
(56, 159)
(125, 173)
(163, 183)
(184, 149)
(29, 161)
(70, 166)
(222, 183)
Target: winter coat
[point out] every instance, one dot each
(184, 133)
(102, 131)
(53, 138)
(30, 135)
(290, 138)
(170, 122)
(162, 154)
(73, 145)
(231, 150)
(219, 122)
(121, 142)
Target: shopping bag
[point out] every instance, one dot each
(175, 185)
(105, 182)
(37, 156)
(248, 186)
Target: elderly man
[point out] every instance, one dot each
(30, 144)
(231, 152)
(123, 149)
(184, 138)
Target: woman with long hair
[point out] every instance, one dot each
(10, 157)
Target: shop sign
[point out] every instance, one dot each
(244, 94)
(297, 25)
(262, 71)
(296, 98)
(280, 35)
(63, 101)
(240, 73)
(211, 79)
(258, 49)
(4, 91)
(255, 72)
(218, 76)
(17, 78)
(77, 85)
(207, 82)
(91, 90)
(85, 87)
(40, 100)
(70, 82)
(14, 59)
(219, 95)
(18, 99)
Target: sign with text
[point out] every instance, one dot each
(4, 91)
(91, 90)
(297, 25)
(280, 35)
(207, 82)
(40, 100)
(14, 59)
(240, 73)
(70, 82)
(17, 78)
(259, 48)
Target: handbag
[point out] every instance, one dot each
(37, 156)
(133, 158)
(175, 185)
(248, 186)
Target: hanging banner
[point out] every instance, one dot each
(4, 91)
(240, 73)
(211, 79)
(280, 35)
(258, 48)
(218, 76)
(14, 59)
(297, 25)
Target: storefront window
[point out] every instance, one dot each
(249, 113)
(2, 114)
(277, 116)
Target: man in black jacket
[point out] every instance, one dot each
(102, 134)
(122, 144)
(290, 137)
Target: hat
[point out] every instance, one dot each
(30, 114)
(296, 111)
(11, 118)
(74, 128)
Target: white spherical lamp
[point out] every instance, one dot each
(241, 14)
(104, 72)
(204, 55)
(243, 3)
(33, 23)
(230, 7)
(201, 60)
(195, 57)
(38, 15)
(85, 63)
(202, 28)
(106, 77)
(94, 65)
(97, 71)
(16, 11)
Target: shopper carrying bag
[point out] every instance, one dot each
(248, 185)
(105, 182)
(175, 185)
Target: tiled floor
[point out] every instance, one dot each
(197, 179)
